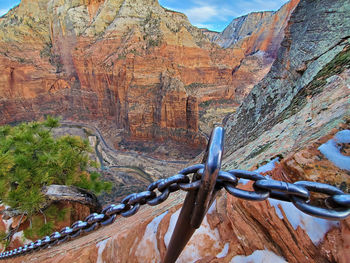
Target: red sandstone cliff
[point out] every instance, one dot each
(300, 105)
(131, 63)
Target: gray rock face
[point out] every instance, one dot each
(241, 27)
(258, 31)
(315, 47)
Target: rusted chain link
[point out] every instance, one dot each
(336, 205)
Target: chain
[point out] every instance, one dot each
(336, 205)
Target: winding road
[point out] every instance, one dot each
(134, 154)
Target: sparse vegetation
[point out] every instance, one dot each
(152, 33)
(211, 102)
(336, 66)
(258, 150)
(46, 51)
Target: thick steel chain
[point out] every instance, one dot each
(337, 205)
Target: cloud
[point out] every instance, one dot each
(217, 14)
(209, 15)
(3, 11)
(201, 14)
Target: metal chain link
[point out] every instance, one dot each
(337, 205)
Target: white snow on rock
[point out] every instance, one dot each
(148, 244)
(171, 227)
(8, 223)
(331, 150)
(193, 251)
(101, 247)
(224, 251)
(212, 208)
(262, 169)
(267, 167)
(343, 136)
(315, 227)
(259, 256)
(20, 236)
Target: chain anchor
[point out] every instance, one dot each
(197, 202)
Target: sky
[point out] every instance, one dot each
(212, 14)
(5, 5)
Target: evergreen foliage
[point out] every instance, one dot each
(31, 158)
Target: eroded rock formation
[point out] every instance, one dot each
(300, 106)
(131, 63)
(234, 230)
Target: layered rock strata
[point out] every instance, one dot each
(131, 63)
(234, 230)
(296, 114)
(313, 86)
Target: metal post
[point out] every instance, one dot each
(197, 202)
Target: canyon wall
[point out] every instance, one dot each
(133, 64)
(294, 125)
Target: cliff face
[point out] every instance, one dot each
(258, 31)
(242, 27)
(123, 61)
(312, 55)
(98, 59)
(131, 63)
(258, 35)
(299, 114)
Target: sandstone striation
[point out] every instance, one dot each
(135, 64)
(299, 107)
(257, 31)
(234, 230)
(304, 83)
(258, 35)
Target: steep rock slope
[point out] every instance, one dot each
(134, 64)
(241, 231)
(314, 51)
(234, 230)
(242, 27)
(257, 31)
(258, 35)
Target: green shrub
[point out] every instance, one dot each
(31, 158)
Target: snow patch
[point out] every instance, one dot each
(267, 167)
(193, 251)
(101, 247)
(20, 236)
(171, 227)
(224, 251)
(243, 181)
(148, 244)
(259, 256)
(212, 208)
(8, 223)
(262, 169)
(331, 150)
(315, 227)
(343, 136)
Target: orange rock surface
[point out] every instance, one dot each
(131, 63)
(233, 228)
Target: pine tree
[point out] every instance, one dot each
(31, 158)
